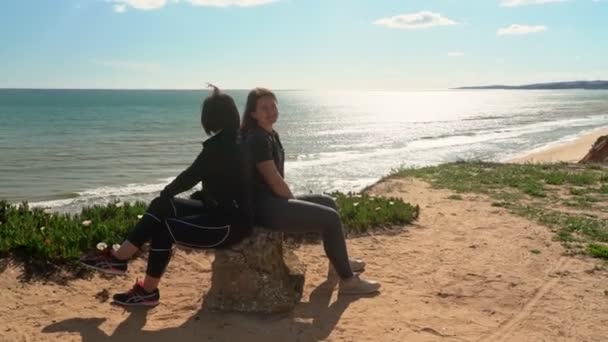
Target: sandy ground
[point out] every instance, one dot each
(463, 272)
(572, 151)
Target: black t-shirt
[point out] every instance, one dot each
(263, 146)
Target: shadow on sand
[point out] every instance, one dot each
(312, 321)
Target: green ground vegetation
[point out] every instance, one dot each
(39, 235)
(571, 199)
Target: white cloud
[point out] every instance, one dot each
(120, 8)
(517, 29)
(120, 5)
(226, 3)
(517, 3)
(455, 54)
(136, 66)
(420, 20)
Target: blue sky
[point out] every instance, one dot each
(321, 44)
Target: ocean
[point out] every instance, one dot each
(66, 149)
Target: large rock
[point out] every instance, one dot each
(598, 152)
(258, 275)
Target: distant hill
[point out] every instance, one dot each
(553, 85)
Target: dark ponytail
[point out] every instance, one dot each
(219, 112)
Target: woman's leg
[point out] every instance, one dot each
(160, 235)
(158, 211)
(299, 216)
(356, 265)
(323, 200)
(158, 257)
(315, 213)
(154, 227)
(115, 262)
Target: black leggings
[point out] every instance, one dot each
(309, 213)
(177, 220)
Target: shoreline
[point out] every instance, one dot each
(569, 151)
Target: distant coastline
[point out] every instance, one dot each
(592, 85)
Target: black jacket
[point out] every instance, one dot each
(223, 169)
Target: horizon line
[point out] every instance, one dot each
(203, 89)
(305, 89)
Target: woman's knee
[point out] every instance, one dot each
(160, 206)
(331, 221)
(323, 200)
(331, 202)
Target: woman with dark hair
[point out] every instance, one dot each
(275, 206)
(219, 219)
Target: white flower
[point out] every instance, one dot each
(377, 208)
(87, 223)
(42, 229)
(355, 204)
(391, 203)
(139, 217)
(119, 204)
(102, 246)
(47, 211)
(115, 247)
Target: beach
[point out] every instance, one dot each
(570, 152)
(462, 272)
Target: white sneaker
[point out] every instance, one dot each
(357, 266)
(357, 286)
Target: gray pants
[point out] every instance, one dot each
(309, 213)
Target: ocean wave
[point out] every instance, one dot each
(547, 146)
(486, 117)
(105, 194)
(323, 161)
(448, 135)
(443, 141)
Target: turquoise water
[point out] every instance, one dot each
(68, 148)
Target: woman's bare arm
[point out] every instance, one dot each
(273, 178)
